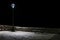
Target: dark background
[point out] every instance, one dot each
(29, 13)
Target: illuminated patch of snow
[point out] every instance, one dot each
(30, 35)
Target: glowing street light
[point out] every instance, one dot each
(13, 5)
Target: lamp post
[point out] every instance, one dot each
(13, 6)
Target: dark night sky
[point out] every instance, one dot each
(31, 13)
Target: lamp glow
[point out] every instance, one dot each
(13, 5)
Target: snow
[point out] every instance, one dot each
(21, 35)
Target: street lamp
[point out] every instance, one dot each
(13, 6)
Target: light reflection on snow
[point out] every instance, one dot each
(19, 34)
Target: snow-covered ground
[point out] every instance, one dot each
(21, 35)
